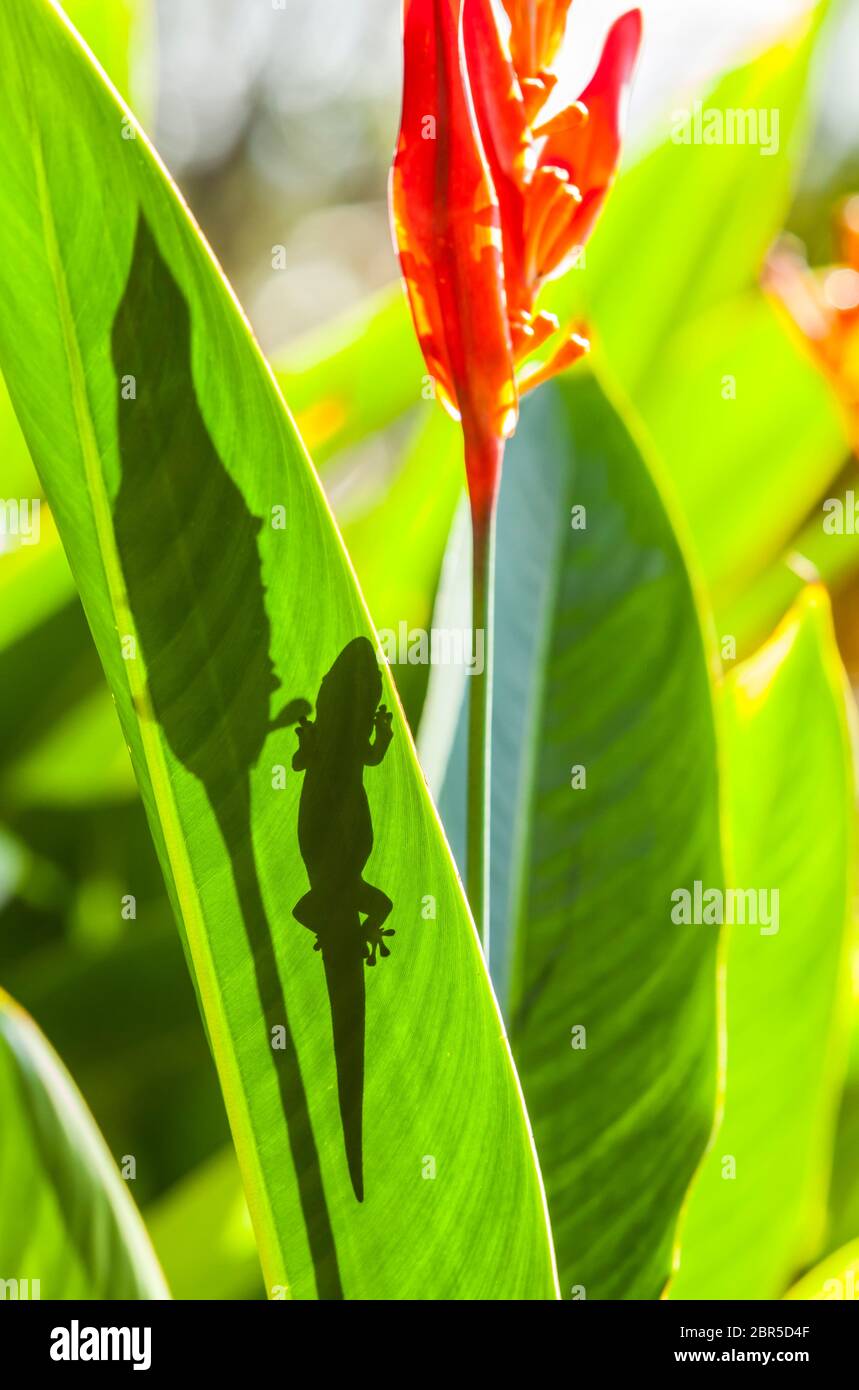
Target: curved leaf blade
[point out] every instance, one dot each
(223, 608)
(604, 800)
(622, 1122)
(67, 1220)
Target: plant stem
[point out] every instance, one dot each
(480, 723)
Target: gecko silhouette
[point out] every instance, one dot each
(352, 731)
(189, 548)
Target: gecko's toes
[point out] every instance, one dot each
(375, 941)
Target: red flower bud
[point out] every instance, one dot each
(486, 206)
(448, 230)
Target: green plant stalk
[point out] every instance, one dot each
(480, 722)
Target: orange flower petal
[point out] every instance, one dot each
(590, 154)
(571, 350)
(505, 135)
(553, 203)
(536, 33)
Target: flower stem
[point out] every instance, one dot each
(480, 722)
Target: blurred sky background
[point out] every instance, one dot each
(279, 126)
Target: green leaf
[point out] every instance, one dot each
(66, 1218)
(601, 671)
(756, 1212)
(171, 465)
(836, 1278)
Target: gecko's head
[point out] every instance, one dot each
(351, 691)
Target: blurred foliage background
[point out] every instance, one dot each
(278, 125)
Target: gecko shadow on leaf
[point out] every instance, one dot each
(189, 551)
(352, 731)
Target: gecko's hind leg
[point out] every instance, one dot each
(306, 911)
(377, 907)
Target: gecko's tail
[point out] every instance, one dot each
(344, 975)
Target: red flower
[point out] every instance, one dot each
(487, 205)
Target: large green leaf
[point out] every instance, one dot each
(601, 664)
(757, 1211)
(66, 1217)
(170, 465)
